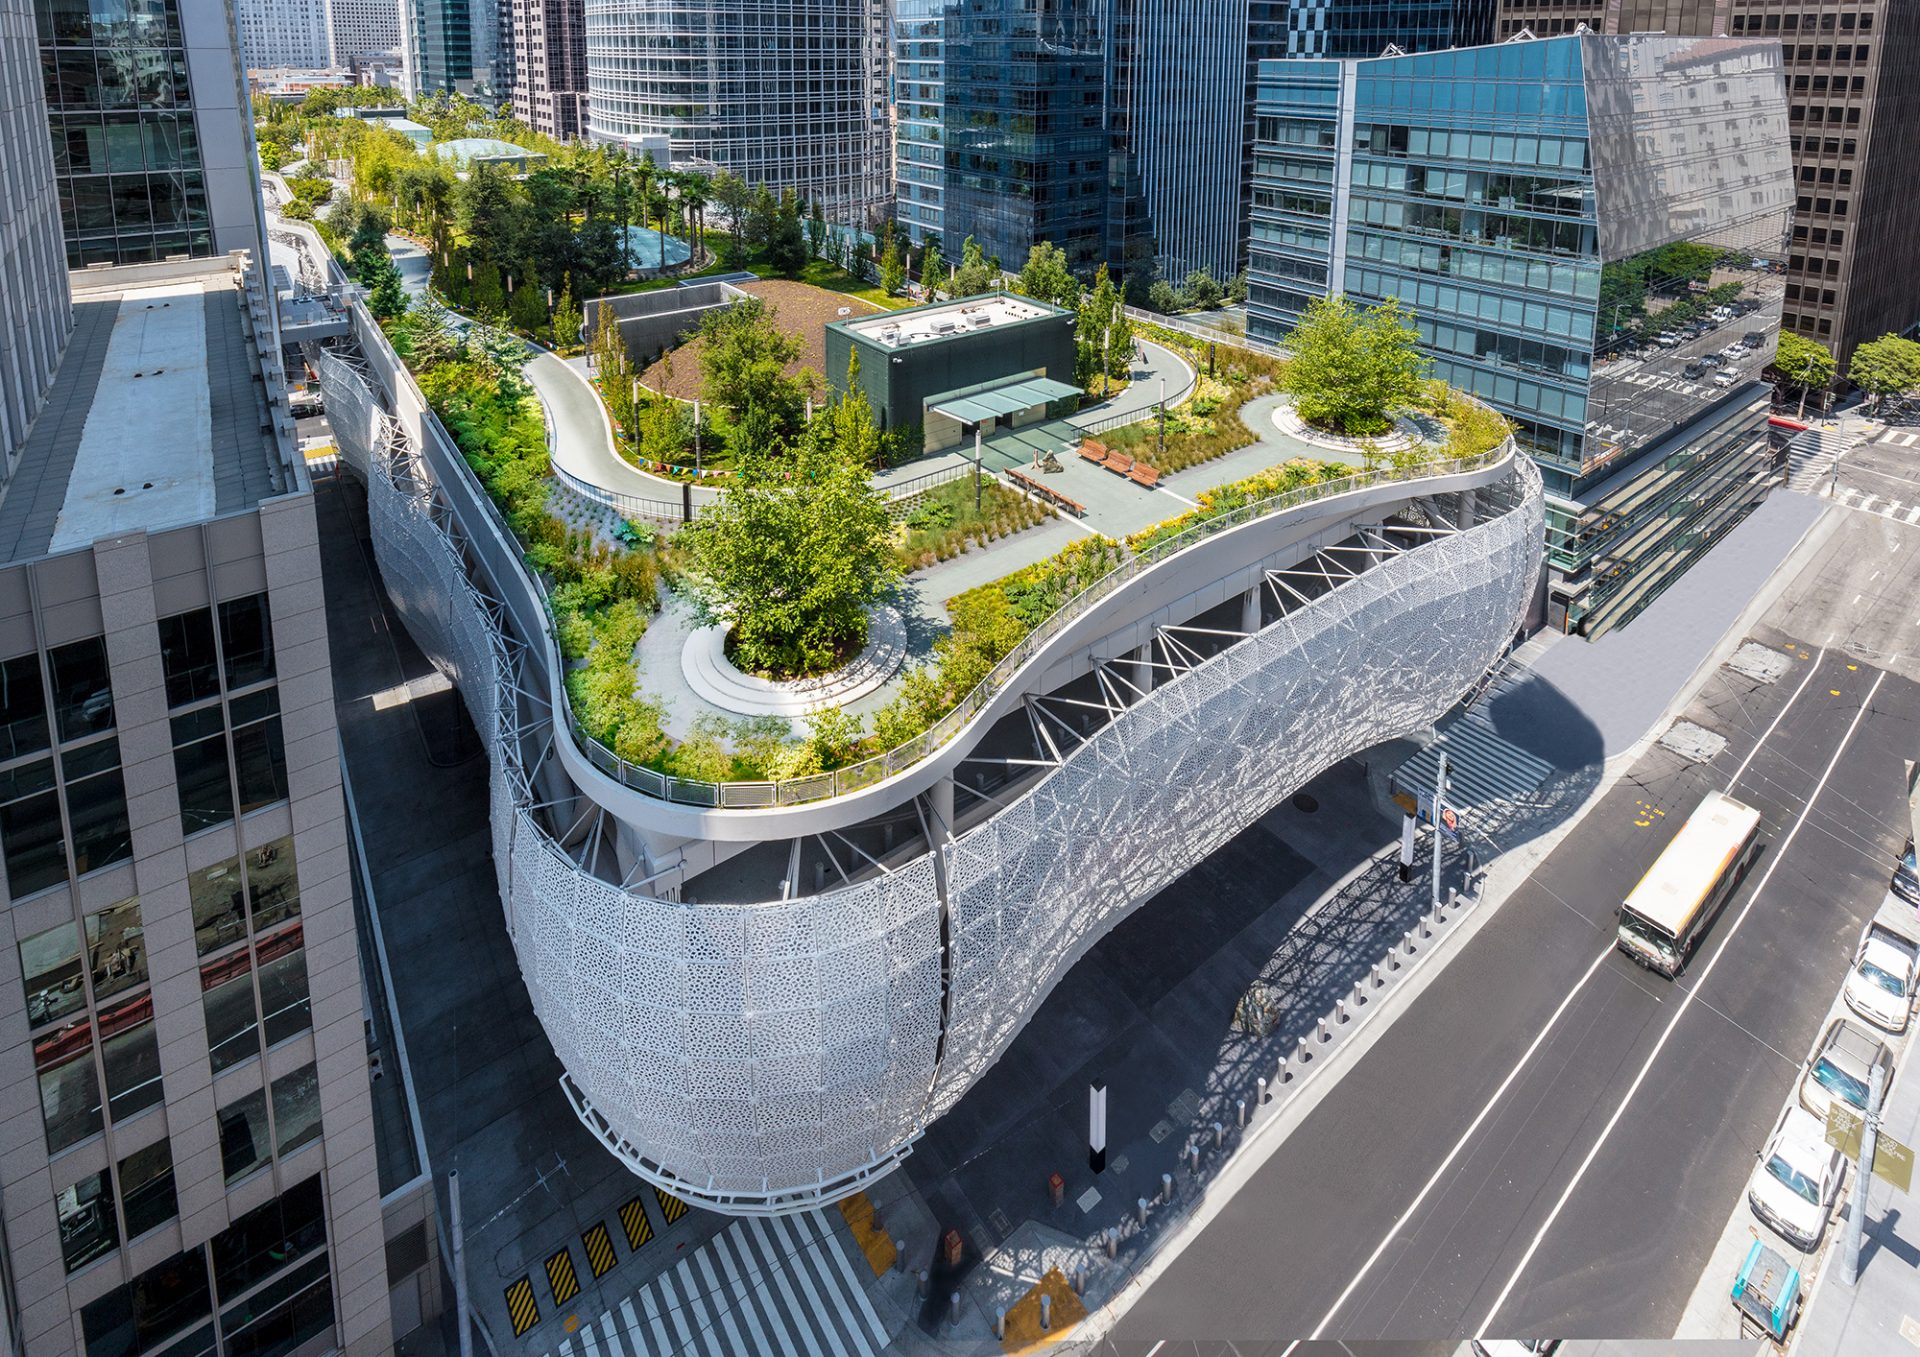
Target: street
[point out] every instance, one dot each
(1550, 1139)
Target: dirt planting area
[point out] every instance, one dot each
(801, 309)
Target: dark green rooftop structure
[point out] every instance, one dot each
(994, 361)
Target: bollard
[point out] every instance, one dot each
(921, 1288)
(1166, 1188)
(1360, 992)
(899, 1254)
(1453, 896)
(1196, 1159)
(1326, 1034)
(1262, 1083)
(1379, 981)
(1142, 1217)
(1220, 1133)
(1340, 1011)
(873, 1221)
(1393, 958)
(1426, 926)
(1000, 1324)
(1411, 949)
(1240, 1105)
(1046, 1310)
(1113, 1235)
(1080, 1279)
(1303, 1054)
(953, 1309)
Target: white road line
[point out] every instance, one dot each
(752, 1292)
(586, 1340)
(778, 1226)
(765, 1248)
(1486, 1110)
(678, 1312)
(1818, 656)
(633, 1327)
(1893, 507)
(1913, 514)
(1191, 504)
(1867, 503)
(1847, 494)
(831, 1246)
(721, 1305)
(1680, 1011)
(663, 1343)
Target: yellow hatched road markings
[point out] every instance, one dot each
(520, 1307)
(671, 1207)
(561, 1278)
(633, 1219)
(599, 1246)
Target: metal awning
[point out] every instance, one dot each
(1021, 394)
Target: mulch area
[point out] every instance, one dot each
(801, 309)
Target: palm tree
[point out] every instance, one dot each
(694, 191)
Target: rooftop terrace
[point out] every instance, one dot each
(157, 416)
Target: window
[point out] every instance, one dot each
(151, 1309)
(245, 1144)
(246, 638)
(266, 1239)
(82, 691)
(296, 1109)
(130, 1053)
(188, 657)
(218, 906)
(30, 829)
(280, 1317)
(259, 752)
(116, 948)
(146, 1189)
(226, 996)
(69, 1086)
(97, 806)
(50, 965)
(23, 707)
(88, 1228)
(273, 887)
(200, 770)
(283, 985)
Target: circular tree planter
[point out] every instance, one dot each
(715, 680)
(1405, 433)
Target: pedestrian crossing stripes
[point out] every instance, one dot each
(633, 1220)
(599, 1247)
(560, 1276)
(1853, 498)
(1483, 767)
(1901, 440)
(520, 1307)
(780, 1286)
(671, 1207)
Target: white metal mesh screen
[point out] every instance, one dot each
(768, 1056)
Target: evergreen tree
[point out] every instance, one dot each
(974, 276)
(893, 274)
(1045, 276)
(933, 269)
(566, 317)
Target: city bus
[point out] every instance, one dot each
(1664, 917)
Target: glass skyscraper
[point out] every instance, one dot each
(1589, 232)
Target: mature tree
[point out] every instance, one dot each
(1803, 363)
(696, 190)
(763, 218)
(744, 355)
(1094, 332)
(1120, 340)
(369, 238)
(787, 242)
(732, 196)
(487, 297)
(1237, 288)
(798, 549)
(817, 230)
(386, 298)
(893, 274)
(1348, 368)
(663, 428)
(527, 303)
(1045, 276)
(933, 269)
(1163, 297)
(1202, 290)
(599, 256)
(485, 208)
(1887, 366)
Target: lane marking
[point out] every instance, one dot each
(1486, 1110)
(1680, 1011)
(1764, 735)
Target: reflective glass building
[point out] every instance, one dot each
(1365, 28)
(1589, 231)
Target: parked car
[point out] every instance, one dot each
(1841, 1067)
(1906, 877)
(1668, 339)
(1753, 339)
(1724, 379)
(1880, 987)
(1794, 1186)
(1712, 360)
(1693, 370)
(1516, 1347)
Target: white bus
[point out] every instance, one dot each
(1664, 917)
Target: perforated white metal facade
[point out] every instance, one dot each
(767, 1057)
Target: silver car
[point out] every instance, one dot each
(1841, 1067)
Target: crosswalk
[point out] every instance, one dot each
(1854, 498)
(782, 1285)
(1484, 768)
(1900, 440)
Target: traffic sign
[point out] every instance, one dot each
(1892, 1161)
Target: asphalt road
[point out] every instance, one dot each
(1406, 1203)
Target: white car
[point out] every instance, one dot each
(1724, 379)
(1880, 987)
(1797, 1181)
(1516, 1347)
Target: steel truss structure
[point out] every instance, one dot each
(769, 1057)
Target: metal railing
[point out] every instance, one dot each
(870, 771)
(627, 506)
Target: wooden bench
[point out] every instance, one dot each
(1046, 492)
(1142, 474)
(1093, 451)
(1118, 462)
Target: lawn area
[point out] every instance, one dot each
(801, 309)
(943, 522)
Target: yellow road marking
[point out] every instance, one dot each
(520, 1307)
(561, 1278)
(599, 1247)
(633, 1220)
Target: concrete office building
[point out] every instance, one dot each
(150, 134)
(786, 93)
(1589, 232)
(358, 29)
(34, 316)
(289, 33)
(1852, 70)
(549, 91)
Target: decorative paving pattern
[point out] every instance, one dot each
(715, 680)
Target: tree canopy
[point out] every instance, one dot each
(1803, 363)
(1348, 368)
(1045, 276)
(975, 275)
(1887, 366)
(744, 355)
(798, 548)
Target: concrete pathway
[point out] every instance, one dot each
(1157, 363)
